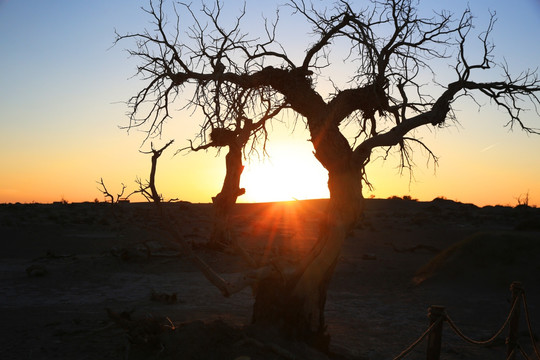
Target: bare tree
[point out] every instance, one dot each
(235, 118)
(149, 190)
(389, 47)
(103, 189)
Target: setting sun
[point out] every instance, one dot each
(291, 172)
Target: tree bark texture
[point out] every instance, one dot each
(224, 201)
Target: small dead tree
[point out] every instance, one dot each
(389, 49)
(103, 189)
(148, 190)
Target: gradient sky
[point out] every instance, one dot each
(62, 89)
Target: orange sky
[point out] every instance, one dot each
(61, 108)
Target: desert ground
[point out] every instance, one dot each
(97, 281)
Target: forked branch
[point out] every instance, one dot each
(227, 288)
(103, 189)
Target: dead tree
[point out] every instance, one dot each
(149, 190)
(389, 48)
(229, 123)
(103, 189)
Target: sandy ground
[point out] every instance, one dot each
(63, 266)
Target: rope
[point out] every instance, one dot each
(458, 332)
(419, 340)
(482, 342)
(529, 327)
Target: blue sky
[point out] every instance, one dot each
(62, 88)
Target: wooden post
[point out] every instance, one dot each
(513, 327)
(434, 339)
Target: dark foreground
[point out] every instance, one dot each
(93, 281)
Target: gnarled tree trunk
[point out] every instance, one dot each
(296, 304)
(224, 201)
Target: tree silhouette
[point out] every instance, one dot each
(149, 190)
(389, 49)
(103, 189)
(235, 118)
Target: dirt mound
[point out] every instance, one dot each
(487, 258)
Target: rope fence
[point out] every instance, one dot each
(437, 316)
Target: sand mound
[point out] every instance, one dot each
(487, 258)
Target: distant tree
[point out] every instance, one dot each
(113, 200)
(388, 47)
(149, 190)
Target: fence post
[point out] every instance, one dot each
(434, 339)
(513, 327)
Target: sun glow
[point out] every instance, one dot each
(287, 228)
(291, 172)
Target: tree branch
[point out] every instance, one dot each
(227, 288)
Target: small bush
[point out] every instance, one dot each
(409, 198)
(523, 200)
